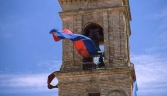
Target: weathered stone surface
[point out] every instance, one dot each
(107, 82)
(116, 78)
(116, 42)
(68, 5)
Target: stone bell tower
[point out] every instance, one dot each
(107, 23)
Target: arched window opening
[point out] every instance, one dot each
(95, 33)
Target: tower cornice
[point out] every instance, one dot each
(88, 4)
(94, 4)
(117, 8)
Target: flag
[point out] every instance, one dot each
(134, 85)
(134, 88)
(83, 44)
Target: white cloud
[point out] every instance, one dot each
(163, 36)
(22, 83)
(151, 73)
(51, 65)
(28, 82)
(156, 49)
(162, 28)
(162, 14)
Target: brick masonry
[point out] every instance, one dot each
(107, 82)
(117, 77)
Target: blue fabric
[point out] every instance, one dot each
(90, 47)
(88, 43)
(72, 37)
(135, 88)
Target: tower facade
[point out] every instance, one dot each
(108, 23)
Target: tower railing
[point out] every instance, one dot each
(96, 62)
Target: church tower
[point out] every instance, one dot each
(107, 23)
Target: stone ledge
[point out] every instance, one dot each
(116, 8)
(115, 75)
(96, 71)
(88, 4)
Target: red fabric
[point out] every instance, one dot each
(55, 37)
(67, 31)
(81, 48)
(50, 78)
(83, 44)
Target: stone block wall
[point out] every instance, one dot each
(116, 78)
(114, 23)
(109, 82)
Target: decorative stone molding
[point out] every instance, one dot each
(69, 5)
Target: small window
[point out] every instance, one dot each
(94, 94)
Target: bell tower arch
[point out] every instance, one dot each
(107, 23)
(95, 30)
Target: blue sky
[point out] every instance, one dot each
(28, 53)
